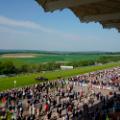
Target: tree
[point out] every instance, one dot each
(1, 68)
(8, 68)
(24, 68)
(39, 68)
(49, 66)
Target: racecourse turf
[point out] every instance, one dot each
(29, 79)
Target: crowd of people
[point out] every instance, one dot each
(91, 96)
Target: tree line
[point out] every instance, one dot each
(9, 68)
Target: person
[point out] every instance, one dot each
(59, 111)
(67, 116)
(3, 114)
(31, 117)
(35, 98)
(49, 115)
(46, 107)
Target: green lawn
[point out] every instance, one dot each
(28, 79)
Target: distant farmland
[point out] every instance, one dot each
(18, 55)
(43, 58)
(38, 57)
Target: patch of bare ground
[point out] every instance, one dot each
(19, 55)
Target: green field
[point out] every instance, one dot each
(43, 58)
(28, 79)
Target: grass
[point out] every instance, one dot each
(62, 58)
(42, 58)
(29, 79)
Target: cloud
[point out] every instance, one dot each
(5, 21)
(19, 34)
(18, 23)
(23, 24)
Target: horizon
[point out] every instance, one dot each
(33, 50)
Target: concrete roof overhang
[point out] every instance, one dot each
(106, 12)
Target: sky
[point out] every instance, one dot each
(25, 25)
